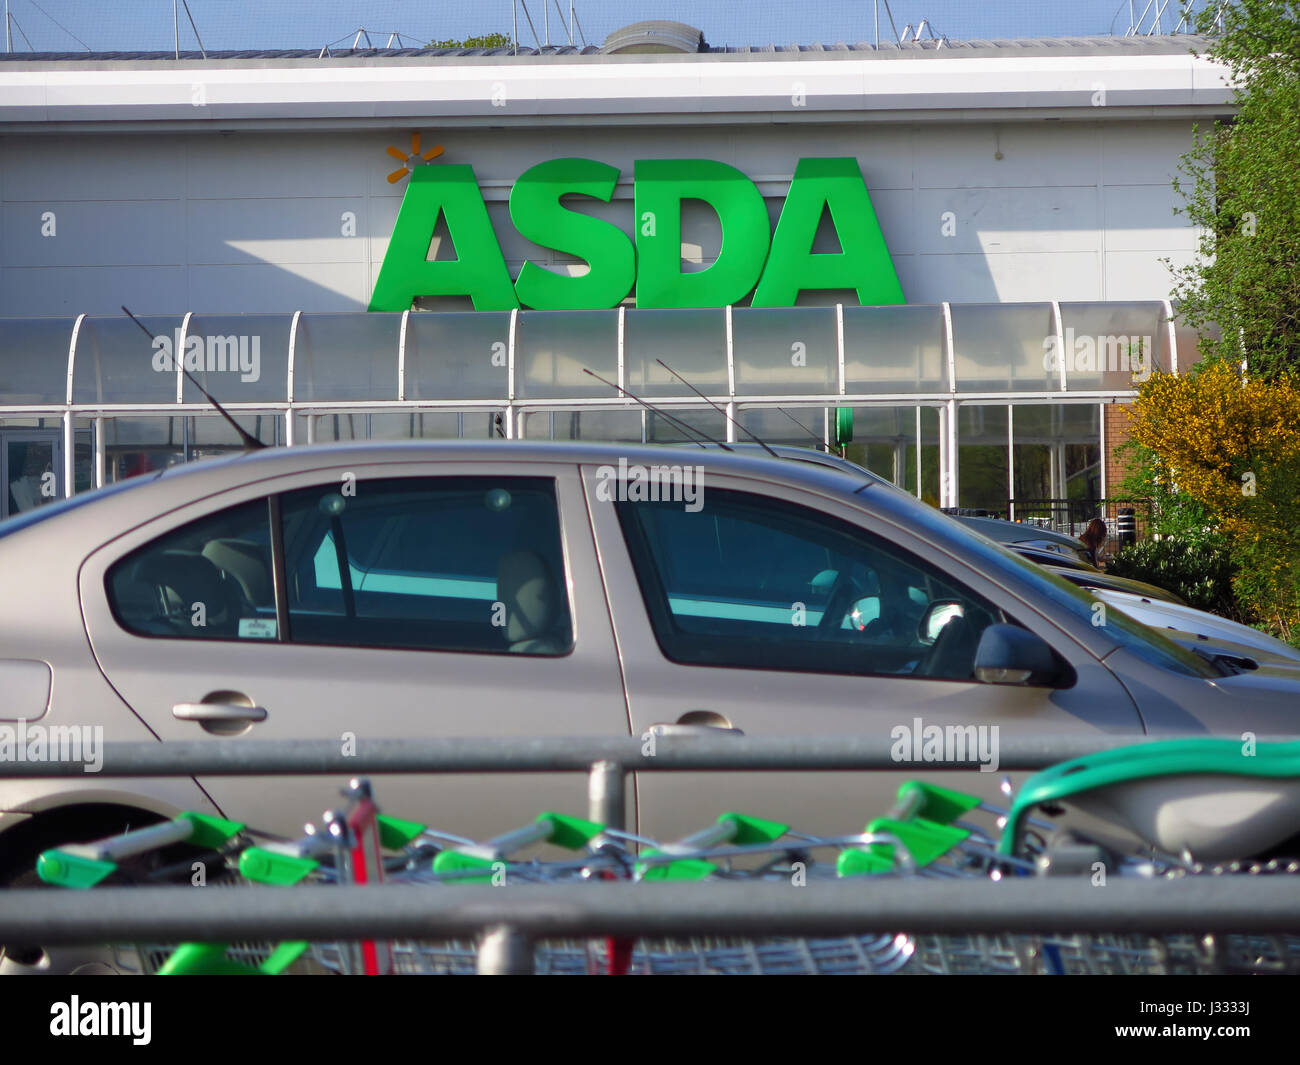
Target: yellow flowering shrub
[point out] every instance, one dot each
(1232, 444)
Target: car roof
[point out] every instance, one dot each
(306, 457)
(1013, 532)
(812, 456)
(1046, 556)
(1095, 578)
(139, 499)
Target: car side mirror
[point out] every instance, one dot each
(1008, 654)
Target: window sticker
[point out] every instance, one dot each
(257, 628)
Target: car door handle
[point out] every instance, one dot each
(218, 712)
(665, 729)
(696, 723)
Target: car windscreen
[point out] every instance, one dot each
(994, 558)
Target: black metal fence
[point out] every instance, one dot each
(1127, 520)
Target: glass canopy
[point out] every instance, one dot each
(742, 353)
(114, 399)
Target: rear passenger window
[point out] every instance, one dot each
(447, 563)
(210, 579)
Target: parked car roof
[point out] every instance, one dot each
(1087, 577)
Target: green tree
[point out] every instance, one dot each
(1241, 188)
(1219, 455)
(490, 40)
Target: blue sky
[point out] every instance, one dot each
(59, 25)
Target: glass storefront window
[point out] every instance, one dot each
(624, 426)
(1034, 462)
(982, 482)
(1081, 439)
(794, 426)
(133, 446)
(396, 425)
(210, 435)
(1057, 455)
(883, 439)
(885, 442)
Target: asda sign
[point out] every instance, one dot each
(775, 265)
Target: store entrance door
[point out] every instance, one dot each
(31, 469)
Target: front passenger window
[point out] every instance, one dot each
(754, 582)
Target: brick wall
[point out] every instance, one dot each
(1117, 433)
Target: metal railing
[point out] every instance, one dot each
(1071, 516)
(606, 760)
(508, 920)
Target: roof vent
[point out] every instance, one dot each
(655, 36)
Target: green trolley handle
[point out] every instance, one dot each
(1208, 755)
(83, 865)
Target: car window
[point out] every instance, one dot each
(1001, 564)
(210, 579)
(447, 563)
(753, 582)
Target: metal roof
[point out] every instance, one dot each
(1058, 78)
(1169, 44)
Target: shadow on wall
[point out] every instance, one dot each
(257, 223)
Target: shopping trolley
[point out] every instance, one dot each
(348, 847)
(735, 847)
(1193, 808)
(1204, 806)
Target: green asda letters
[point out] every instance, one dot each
(479, 272)
(780, 265)
(538, 214)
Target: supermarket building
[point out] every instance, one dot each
(967, 246)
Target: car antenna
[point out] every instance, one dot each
(710, 402)
(820, 442)
(662, 413)
(250, 442)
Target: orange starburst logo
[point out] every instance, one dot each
(410, 160)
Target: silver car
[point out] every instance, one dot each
(512, 589)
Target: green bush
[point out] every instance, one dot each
(1268, 582)
(1201, 571)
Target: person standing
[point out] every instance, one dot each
(1094, 539)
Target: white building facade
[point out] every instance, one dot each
(1023, 190)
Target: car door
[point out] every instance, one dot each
(417, 600)
(781, 612)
